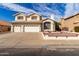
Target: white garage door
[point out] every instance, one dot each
(17, 29)
(32, 28)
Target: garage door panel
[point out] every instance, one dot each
(17, 29)
(32, 28)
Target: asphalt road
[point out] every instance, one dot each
(38, 52)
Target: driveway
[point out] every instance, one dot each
(20, 40)
(31, 40)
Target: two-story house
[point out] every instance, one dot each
(31, 23)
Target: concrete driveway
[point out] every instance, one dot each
(30, 43)
(20, 40)
(31, 40)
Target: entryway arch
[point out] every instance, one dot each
(47, 25)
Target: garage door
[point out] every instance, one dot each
(17, 29)
(32, 28)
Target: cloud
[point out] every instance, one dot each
(44, 10)
(71, 9)
(40, 8)
(16, 7)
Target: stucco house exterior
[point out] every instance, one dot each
(31, 23)
(71, 23)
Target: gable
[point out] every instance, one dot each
(73, 19)
(4, 23)
(17, 14)
(34, 14)
(48, 20)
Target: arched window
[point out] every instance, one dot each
(47, 25)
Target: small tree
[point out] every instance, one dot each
(57, 28)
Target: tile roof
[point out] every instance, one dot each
(36, 22)
(71, 16)
(27, 14)
(4, 23)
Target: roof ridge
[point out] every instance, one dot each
(71, 16)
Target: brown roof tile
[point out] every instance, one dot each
(4, 23)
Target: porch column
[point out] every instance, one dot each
(22, 28)
(51, 26)
(42, 26)
(11, 28)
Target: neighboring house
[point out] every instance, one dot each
(70, 24)
(4, 26)
(31, 23)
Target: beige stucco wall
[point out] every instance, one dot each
(70, 23)
(24, 16)
(29, 18)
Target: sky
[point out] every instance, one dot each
(55, 11)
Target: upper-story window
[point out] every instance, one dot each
(20, 17)
(34, 17)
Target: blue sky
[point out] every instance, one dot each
(53, 10)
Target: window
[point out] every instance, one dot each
(34, 18)
(20, 17)
(76, 29)
(47, 25)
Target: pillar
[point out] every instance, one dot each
(22, 28)
(52, 27)
(11, 28)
